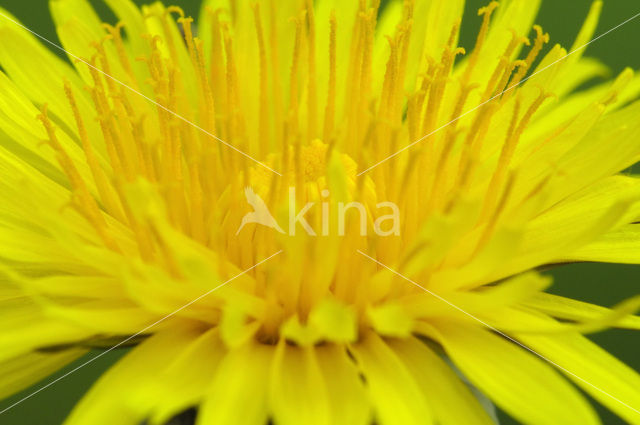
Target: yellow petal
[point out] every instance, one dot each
(430, 31)
(129, 14)
(111, 400)
(584, 37)
(347, 395)
(24, 328)
(391, 319)
(570, 309)
(558, 142)
(21, 372)
(23, 57)
(619, 246)
(63, 10)
(597, 372)
(574, 222)
(238, 393)
(537, 321)
(577, 120)
(18, 119)
(79, 26)
(334, 321)
(443, 389)
(481, 302)
(298, 394)
(395, 395)
(345, 13)
(328, 321)
(78, 286)
(586, 69)
(235, 328)
(103, 316)
(192, 372)
(595, 157)
(516, 380)
(513, 14)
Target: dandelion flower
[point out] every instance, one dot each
(428, 184)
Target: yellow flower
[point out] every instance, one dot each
(403, 194)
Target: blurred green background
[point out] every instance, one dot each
(596, 283)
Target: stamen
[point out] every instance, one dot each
(141, 233)
(541, 40)
(441, 166)
(473, 144)
(312, 83)
(504, 67)
(436, 93)
(164, 21)
(234, 120)
(142, 143)
(329, 116)
(165, 249)
(116, 36)
(188, 36)
(274, 47)
(216, 76)
(508, 149)
(502, 84)
(264, 79)
(413, 113)
(431, 111)
(355, 70)
(115, 131)
(105, 66)
(404, 37)
(105, 189)
(486, 13)
(427, 81)
(85, 202)
(493, 221)
(100, 103)
(365, 80)
(389, 81)
(208, 116)
(293, 124)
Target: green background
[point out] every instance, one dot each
(600, 284)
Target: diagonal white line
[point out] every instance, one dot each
(180, 117)
(91, 360)
(577, 49)
(500, 332)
